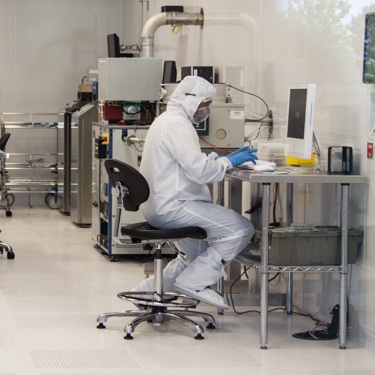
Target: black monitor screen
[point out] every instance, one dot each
(297, 113)
(113, 42)
(369, 50)
(169, 72)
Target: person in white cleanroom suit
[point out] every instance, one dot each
(178, 172)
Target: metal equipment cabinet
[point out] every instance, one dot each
(34, 154)
(112, 142)
(81, 164)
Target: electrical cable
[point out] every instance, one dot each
(318, 322)
(274, 277)
(330, 331)
(256, 96)
(246, 311)
(256, 132)
(245, 272)
(213, 146)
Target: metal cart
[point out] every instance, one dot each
(35, 155)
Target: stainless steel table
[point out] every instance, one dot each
(291, 177)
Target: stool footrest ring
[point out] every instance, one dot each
(169, 299)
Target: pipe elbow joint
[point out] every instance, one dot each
(170, 18)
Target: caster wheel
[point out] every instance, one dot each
(199, 337)
(100, 326)
(53, 201)
(11, 255)
(8, 213)
(128, 337)
(210, 326)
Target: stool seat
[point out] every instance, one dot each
(144, 231)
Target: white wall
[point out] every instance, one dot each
(47, 46)
(261, 46)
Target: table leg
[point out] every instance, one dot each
(264, 267)
(344, 265)
(289, 221)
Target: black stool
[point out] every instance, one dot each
(132, 190)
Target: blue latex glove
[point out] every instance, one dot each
(234, 152)
(242, 157)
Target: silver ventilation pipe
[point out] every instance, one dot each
(168, 18)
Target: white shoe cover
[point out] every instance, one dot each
(170, 273)
(206, 295)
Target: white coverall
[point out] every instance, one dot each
(178, 172)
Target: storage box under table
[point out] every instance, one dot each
(312, 246)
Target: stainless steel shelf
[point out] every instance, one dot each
(250, 260)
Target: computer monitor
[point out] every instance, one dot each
(114, 48)
(300, 121)
(169, 72)
(113, 42)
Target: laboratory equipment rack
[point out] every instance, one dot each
(104, 205)
(123, 143)
(34, 155)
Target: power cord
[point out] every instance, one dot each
(256, 133)
(247, 311)
(256, 96)
(213, 146)
(329, 333)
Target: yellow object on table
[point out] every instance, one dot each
(301, 162)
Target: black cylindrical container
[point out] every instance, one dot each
(340, 160)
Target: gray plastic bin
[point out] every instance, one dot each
(310, 247)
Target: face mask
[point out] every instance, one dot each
(201, 114)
